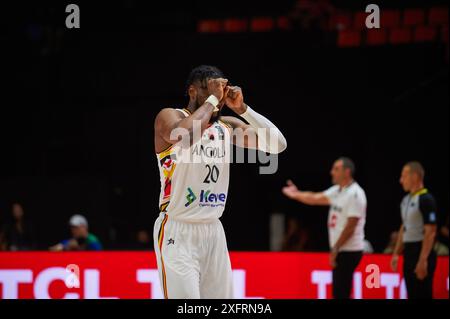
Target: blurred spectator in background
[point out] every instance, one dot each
(443, 233)
(81, 238)
(444, 230)
(17, 234)
(441, 245)
(141, 240)
(296, 236)
(440, 248)
(391, 245)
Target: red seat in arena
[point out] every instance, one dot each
(349, 38)
(400, 36)
(209, 26)
(262, 24)
(235, 25)
(283, 23)
(438, 16)
(413, 17)
(376, 36)
(359, 20)
(389, 18)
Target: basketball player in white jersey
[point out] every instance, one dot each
(189, 239)
(346, 221)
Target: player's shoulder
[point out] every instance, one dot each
(170, 110)
(426, 194)
(168, 113)
(426, 197)
(357, 191)
(332, 190)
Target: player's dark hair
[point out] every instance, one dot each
(201, 73)
(348, 163)
(416, 167)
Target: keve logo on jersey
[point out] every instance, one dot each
(212, 199)
(190, 197)
(207, 198)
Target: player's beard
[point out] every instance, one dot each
(215, 117)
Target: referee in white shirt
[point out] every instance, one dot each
(346, 220)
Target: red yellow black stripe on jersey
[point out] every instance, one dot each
(160, 244)
(187, 111)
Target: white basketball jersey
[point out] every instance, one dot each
(347, 202)
(194, 180)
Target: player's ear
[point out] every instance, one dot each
(192, 91)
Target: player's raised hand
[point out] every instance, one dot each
(216, 87)
(234, 99)
(290, 190)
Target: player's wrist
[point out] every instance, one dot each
(241, 109)
(423, 259)
(248, 111)
(214, 101)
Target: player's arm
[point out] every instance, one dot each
(309, 198)
(243, 134)
(259, 132)
(427, 207)
(427, 245)
(171, 126)
(398, 249)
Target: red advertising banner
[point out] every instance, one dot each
(93, 275)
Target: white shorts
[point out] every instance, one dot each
(193, 260)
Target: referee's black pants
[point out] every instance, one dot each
(418, 289)
(346, 263)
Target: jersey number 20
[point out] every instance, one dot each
(213, 174)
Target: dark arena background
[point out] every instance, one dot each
(77, 130)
